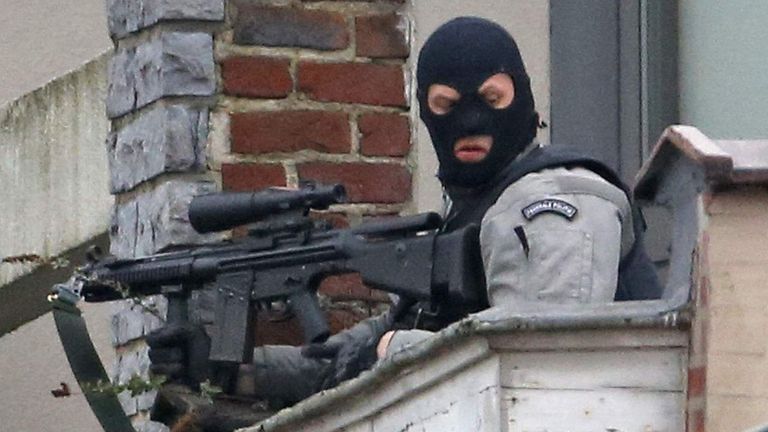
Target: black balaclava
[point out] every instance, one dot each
(462, 54)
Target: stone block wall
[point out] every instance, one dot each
(162, 84)
(236, 95)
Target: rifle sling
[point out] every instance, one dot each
(87, 367)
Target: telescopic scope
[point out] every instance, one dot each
(222, 211)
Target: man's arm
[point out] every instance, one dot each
(556, 236)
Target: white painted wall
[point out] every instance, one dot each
(526, 20)
(44, 39)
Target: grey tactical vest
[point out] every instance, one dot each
(637, 275)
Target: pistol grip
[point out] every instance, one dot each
(232, 337)
(313, 323)
(177, 308)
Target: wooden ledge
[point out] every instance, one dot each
(467, 343)
(723, 161)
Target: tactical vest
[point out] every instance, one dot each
(637, 275)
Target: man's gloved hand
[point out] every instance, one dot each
(351, 351)
(348, 358)
(180, 352)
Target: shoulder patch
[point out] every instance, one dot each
(557, 206)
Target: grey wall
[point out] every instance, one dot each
(723, 66)
(44, 39)
(32, 363)
(614, 81)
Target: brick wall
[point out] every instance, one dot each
(242, 94)
(317, 91)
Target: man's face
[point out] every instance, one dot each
(498, 92)
(475, 100)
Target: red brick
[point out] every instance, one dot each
(273, 329)
(703, 327)
(380, 36)
(263, 77)
(381, 217)
(240, 231)
(365, 83)
(345, 287)
(374, 183)
(704, 291)
(340, 319)
(699, 419)
(380, 296)
(337, 220)
(248, 176)
(384, 135)
(697, 381)
(270, 330)
(290, 131)
(255, 24)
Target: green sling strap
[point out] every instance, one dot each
(87, 367)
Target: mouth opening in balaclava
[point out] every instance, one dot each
(462, 54)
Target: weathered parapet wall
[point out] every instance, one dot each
(554, 368)
(235, 95)
(723, 185)
(55, 192)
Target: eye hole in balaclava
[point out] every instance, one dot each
(498, 92)
(462, 55)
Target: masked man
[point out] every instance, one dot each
(556, 226)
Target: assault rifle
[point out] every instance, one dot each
(284, 257)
